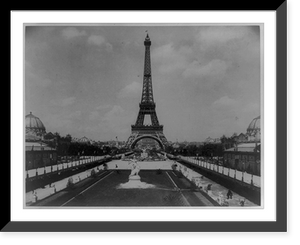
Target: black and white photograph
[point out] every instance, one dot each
(143, 116)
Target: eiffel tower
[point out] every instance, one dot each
(147, 107)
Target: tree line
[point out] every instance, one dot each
(66, 147)
(205, 149)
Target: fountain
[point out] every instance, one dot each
(144, 154)
(134, 180)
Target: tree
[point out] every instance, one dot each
(68, 138)
(169, 149)
(223, 139)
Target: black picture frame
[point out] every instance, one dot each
(280, 225)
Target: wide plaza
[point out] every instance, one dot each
(168, 188)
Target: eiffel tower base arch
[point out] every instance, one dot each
(138, 137)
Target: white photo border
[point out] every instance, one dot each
(19, 18)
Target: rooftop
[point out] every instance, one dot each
(244, 147)
(32, 121)
(38, 146)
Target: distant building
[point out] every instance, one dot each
(84, 140)
(147, 143)
(37, 153)
(49, 136)
(196, 143)
(210, 140)
(241, 138)
(34, 128)
(253, 130)
(243, 157)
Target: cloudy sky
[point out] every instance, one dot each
(87, 80)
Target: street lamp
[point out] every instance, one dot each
(243, 171)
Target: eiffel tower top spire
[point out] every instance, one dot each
(147, 95)
(147, 39)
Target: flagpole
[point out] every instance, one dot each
(42, 162)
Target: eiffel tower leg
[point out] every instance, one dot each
(154, 118)
(131, 139)
(140, 118)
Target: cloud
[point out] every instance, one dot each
(213, 68)
(32, 78)
(58, 122)
(116, 120)
(68, 101)
(189, 62)
(96, 40)
(45, 82)
(99, 40)
(97, 114)
(221, 34)
(171, 59)
(108, 47)
(74, 115)
(252, 107)
(94, 115)
(63, 121)
(114, 113)
(103, 107)
(64, 102)
(35, 80)
(72, 32)
(132, 90)
(108, 123)
(224, 103)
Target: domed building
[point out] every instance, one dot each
(38, 153)
(34, 128)
(245, 155)
(253, 130)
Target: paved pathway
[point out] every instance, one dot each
(216, 191)
(124, 164)
(42, 193)
(242, 176)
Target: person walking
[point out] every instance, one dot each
(35, 197)
(229, 194)
(242, 202)
(221, 199)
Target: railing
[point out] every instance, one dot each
(232, 173)
(48, 190)
(62, 166)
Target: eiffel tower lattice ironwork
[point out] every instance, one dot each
(147, 107)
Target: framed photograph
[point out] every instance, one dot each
(148, 120)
